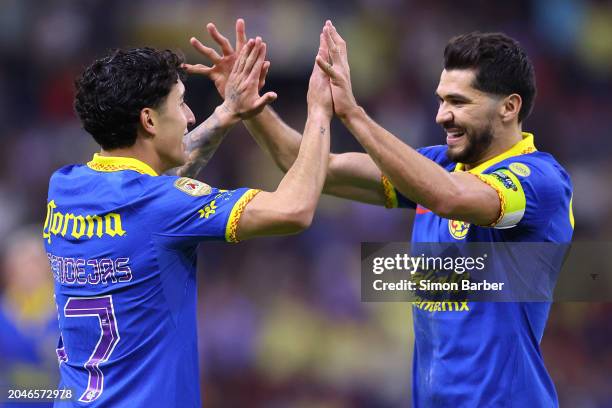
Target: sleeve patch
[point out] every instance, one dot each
(520, 169)
(192, 187)
(505, 180)
(511, 197)
(208, 210)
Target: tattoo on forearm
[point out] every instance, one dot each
(322, 130)
(200, 145)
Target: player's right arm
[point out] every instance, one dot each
(353, 176)
(291, 207)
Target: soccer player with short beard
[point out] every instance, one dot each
(488, 183)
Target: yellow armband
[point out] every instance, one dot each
(511, 197)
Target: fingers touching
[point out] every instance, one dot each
(338, 40)
(263, 74)
(337, 51)
(242, 57)
(332, 51)
(257, 67)
(254, 56)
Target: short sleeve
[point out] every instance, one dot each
(530, 193)
(190, 210)
(395, 199)
(548, 191)
(511, 197)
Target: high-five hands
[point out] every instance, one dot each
(241, 91)
(222, 64)
(332, 60)
(242, 101)
(337, 69)
(319, 92)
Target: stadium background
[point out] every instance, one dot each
(280, 319)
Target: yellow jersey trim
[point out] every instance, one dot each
(389, 191)
(512, 206)
(115, 163)
(231, 228)
(500, 194)
(571, 212)
(511, 197)
(525, 146)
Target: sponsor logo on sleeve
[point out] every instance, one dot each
(520, 169)
(505, 180)
(192, 187)
(208, 210)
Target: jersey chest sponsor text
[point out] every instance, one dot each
(80, 226)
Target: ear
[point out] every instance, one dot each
(149, 121)
(510, 107)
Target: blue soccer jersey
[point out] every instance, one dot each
(487, 354)
(122, 242)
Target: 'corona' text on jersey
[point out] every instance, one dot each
(80, 226)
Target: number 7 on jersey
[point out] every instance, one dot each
(102, 308)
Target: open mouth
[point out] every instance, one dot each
(454, 136)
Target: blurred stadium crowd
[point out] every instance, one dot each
(280, 320)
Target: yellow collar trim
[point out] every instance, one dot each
(525, 146)
(109, 163)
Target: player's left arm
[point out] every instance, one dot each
(459, 196)
(202, 142)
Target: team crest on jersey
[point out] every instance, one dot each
(520, 169)
(192, 187)
(458, 229)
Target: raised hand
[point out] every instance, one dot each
(222, 64)
(241, 91)
(338, 70)
(319, 95)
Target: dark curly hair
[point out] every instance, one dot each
(112, 91)
(502, 66)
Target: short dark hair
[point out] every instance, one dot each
(502, 66)
(112, 91)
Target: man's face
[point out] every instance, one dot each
(174, 116)
(467, 115)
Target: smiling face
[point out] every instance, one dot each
(468, 116)
(173, 118)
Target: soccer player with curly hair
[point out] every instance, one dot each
(121, 236)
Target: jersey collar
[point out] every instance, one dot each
(109, 163)
(523, 147)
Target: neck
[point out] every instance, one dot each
(500, 144)
(139, 151)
